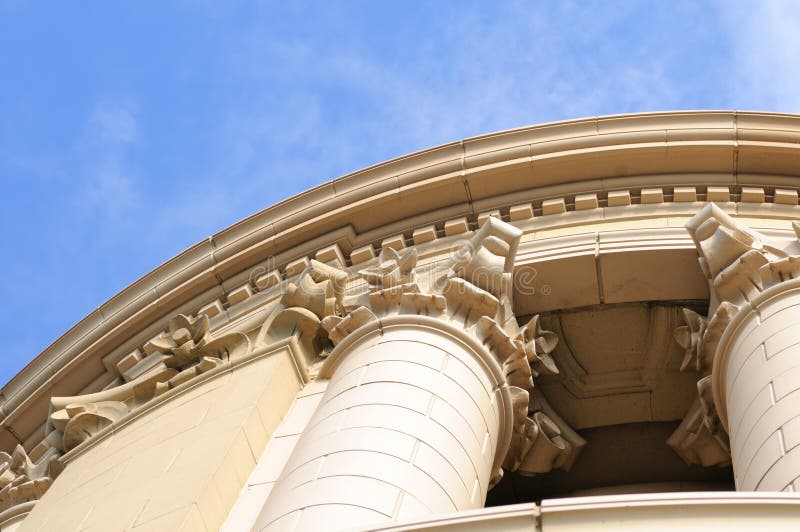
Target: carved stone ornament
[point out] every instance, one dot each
(184, 352)
(473, 290)
(738, 263)
(23, 481)
(319, 293)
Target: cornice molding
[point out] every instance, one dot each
(522, 173)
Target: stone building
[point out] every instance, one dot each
(593, 322)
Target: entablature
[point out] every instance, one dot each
(578, 257)
(601, 204)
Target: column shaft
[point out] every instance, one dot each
(410, 425)
(757, 382)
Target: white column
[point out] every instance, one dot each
(415, 419)
(757, 390)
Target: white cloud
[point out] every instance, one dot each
(113, 124)
(106, 193)
(472, 74)
(765, 41)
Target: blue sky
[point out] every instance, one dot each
(132, 130)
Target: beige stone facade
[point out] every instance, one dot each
(569, 326)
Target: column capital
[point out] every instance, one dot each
(737, 261)
(468, 296)
(743, 267)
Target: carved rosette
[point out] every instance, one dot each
(739, 263)
(472, 291)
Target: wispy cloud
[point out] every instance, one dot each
(237, 108)
(113, 124)
(107, 190)
(765, 40)
(472, 72)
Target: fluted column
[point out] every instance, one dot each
(414, 420)
(757, 388)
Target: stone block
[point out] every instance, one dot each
(619, 198)
(652, 195)
(785, 196)
(129, 361)
(268, 280)
(456, 227)
(212, 309)
(684, 194)
(482, 217)
(295, 267)
(584, 202)
(554, 206)
(752, 195)
(520, 212)
(362, 254)
(239, 294)
(718, 194)
(423, 235)
(331, 255)
(397, 242)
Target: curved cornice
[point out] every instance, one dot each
(457, 179)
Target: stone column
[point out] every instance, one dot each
(757, 390)
(747, 353)
(414, 421)
(430, 391)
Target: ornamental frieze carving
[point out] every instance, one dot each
(175, 357)
(185, 351)
(472, 290)
(739, 263)
(22, 480)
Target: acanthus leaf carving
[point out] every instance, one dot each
(406, 299)
(539, 443)
(300, 323)
(305, 307)
(508, 352)
(739, 263)
(392, 269)
(473, 290)
(574, 443)
(468, 303)
(695, 444)
(539, 344)
(549, 449)
(524, 431)
(339, 327)
(688, 336)
(320, 289)
(700, 438)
